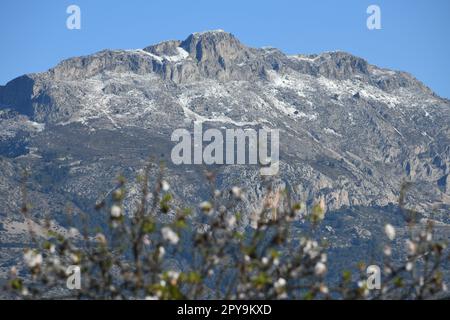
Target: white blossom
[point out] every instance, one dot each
(320, 269)
(32, 259)
(254, 219)
(390, 231)
(216, 260)
(173, 275)
(409, 266)
(169, 235)
(100, 237)
(324, 289)
(165, 185)
(13, 271)
(25, 292)
(237, 192)
(75, 258)
(311, 248)
(116, 211)
(411, 247)
(280, 283)
(118, 194)
(205, 206)
(276, 262)
(231, 221)
(161, 252)
(73, 232)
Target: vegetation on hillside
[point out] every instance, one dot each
(206, 254)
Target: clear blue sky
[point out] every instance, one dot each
(415, 35)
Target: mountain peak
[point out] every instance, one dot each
(209, 32)
(213, 45)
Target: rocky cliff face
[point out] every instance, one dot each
(350, 132)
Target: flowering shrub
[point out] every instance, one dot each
(209, 255)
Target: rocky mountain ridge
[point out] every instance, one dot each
(350, 132)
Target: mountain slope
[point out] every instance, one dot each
(350, 132)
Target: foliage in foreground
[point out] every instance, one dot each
(207, 255)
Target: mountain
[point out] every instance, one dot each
(350, 132)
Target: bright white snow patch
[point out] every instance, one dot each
(208, 31)
(352, 87)
(184, 102)
(332, 132)
(154, 56)
(182, 55)
(303, 58)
